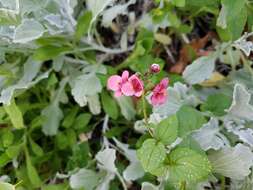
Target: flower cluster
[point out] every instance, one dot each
(133, 86)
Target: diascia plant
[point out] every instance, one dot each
(163, 153)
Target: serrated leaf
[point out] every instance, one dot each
(209, 136)
(85, 85)
(15, 115)
(200, 70)
(25, 33)
(31, 70)
(234, 162)
(240, 106)
(151, 155)
(134, 170)
(106, 159)
(189, 119)
(236, 10)
(52, 116)
(94, 104)
(166, 131)
(187, 165)
(84, 178)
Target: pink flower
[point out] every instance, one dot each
(160, 94)
(122, 85)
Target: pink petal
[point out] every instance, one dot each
(137, 85)
(165, 82)
(113, 82)
(125, 76)
(117, 94)
(127, 89)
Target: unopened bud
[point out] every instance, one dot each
(155, 68)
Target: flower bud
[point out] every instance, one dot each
(155, 68)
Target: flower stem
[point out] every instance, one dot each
(144, 109)
(183, 185)
(223, 183)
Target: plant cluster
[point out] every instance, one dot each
(126, 94)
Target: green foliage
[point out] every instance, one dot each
(83, 24)
(187, 165)
(217, 104)
(60, 126)
(189, 120)
(152, 154)
(166, 131)
(15, 115)
(109, 105)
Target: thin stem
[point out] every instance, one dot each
(183, 185)
(223, 183)
(121, 180)
(144, 109)
(17, 184)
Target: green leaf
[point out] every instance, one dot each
(217, 104)
(32, 172)
(4, 159)
(166, 131)
(55, 187)
(127, 107)
(37, 150)
(109, 105)
(83, 24)
(13, 150)
(48, 52)
(6, 186)
(151, 155)
(115, 132)
(70, 117)
(178, 3)
(80, 156)
(15, 115)
(189, 120)
(7, 138)
(62, 141)
(82, 121)
(236, 10)
(187, 165)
